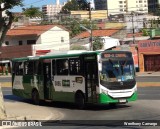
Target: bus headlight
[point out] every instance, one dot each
(104, 91)
(135, 89)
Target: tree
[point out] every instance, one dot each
(32, 12)
(74, 26)
(5, 24)
(97, 44)
(77, 47)
(75, 5)
(6, 21)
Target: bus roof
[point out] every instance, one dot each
(67, 54)
(61, 54)
(26, 58)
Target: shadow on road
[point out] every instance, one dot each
(16, 98)
(71, 106)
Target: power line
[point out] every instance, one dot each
(31, 3)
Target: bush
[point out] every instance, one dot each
(77, 47)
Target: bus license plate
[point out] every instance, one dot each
(122, 100)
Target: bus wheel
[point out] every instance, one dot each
(35, 97)
(79, 101)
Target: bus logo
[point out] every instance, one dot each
(121, 83)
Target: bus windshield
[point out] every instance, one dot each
(117, 70)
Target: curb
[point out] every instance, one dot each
(6, 84)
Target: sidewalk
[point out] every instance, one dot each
(148, 74)
(26, 111)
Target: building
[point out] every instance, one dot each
(51, 10)
(153, 5)
(149, 55)
(122, 6)
(134, 21)
(100, 4)
(83, 39)
(95, 15)
(33, 41)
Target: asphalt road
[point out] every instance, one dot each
(5, 79)
(138, 79)
(145, 108)
(148, 78)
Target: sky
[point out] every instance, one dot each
(35, 3)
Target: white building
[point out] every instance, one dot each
(46, 37)
(122, 6)
(108, 43)
(51, 10)
(137, 22)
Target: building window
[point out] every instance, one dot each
(62, 39)
(7, 42)
(20, 42)
(120, 2)
(121, 10)
(30, 42)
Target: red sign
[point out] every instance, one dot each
(42, 52)
(149, 46)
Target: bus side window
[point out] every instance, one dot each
(62, 66)
(18, 68)
(53, 67)
(74, 66)
(39, 68)
(29, 68)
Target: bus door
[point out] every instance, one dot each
(91, 75)
(47, 79)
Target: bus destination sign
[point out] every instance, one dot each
(113, 55)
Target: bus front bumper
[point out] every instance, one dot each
(106, 99)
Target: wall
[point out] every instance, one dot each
(15, 51)
(14, 40)
(53, 36)
(147, 47)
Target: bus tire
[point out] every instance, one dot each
(80, 101)
(35, 97)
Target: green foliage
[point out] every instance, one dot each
(74, 5)
(145, 32)
(32, 12)
(97, 44)
(9, 4)
(6, 22)
(77, 47)
(74, 26)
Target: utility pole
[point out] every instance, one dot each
(132, 15)
(90, 19)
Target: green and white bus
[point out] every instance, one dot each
(82, 77)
